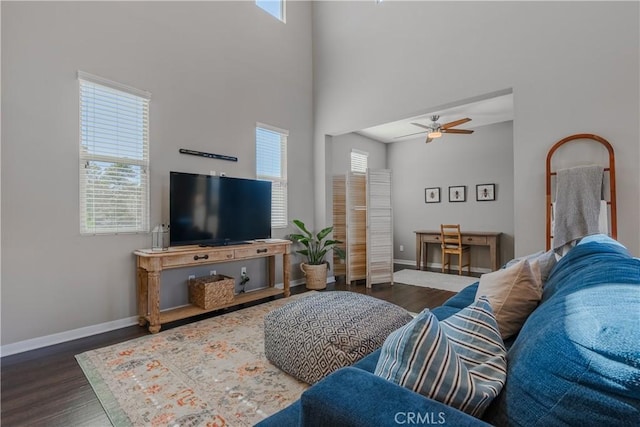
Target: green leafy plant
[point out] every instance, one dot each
(316, 246)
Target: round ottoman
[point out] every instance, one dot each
(313, 336)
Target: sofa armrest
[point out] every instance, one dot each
(356, 398)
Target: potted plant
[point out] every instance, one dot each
(316, 247)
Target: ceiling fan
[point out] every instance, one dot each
(435, 129)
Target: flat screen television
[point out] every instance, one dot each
(216, 211)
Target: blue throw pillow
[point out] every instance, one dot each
(576, 361)
(460, 362)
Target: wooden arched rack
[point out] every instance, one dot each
(612, 180)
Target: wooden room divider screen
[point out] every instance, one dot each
(363, 220)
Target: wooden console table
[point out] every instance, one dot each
(479, 238)
(151, 263)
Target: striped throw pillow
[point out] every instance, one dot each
(460, 361)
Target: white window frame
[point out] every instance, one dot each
(283, 11)
(141, 222)
(279, 215)
(357, 158)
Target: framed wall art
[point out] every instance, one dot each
(432, 195)
(485, 192)
(458, 193)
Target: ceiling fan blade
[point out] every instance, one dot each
(422, 126)
(411, 134)
(463, 131)
(428, 140)
(455, 123)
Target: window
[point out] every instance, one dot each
(274, 8)
(114, 157)
(359, 161)
(271, 165)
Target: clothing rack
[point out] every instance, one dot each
(611, 169)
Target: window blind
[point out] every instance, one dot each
(359, 161)
(271, 165)
(114, 157)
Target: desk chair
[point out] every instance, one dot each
(452, 245)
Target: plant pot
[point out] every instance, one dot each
(316, 275)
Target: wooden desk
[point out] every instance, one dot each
(151, 263)
(479, 238)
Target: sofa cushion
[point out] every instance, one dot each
(514, 292)
(460, 362)
(577, 358)
(355, 398)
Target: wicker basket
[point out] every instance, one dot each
(210, 291)
(316, 275)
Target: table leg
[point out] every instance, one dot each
(153, 283)
(286, 266)
(143, 296)
(418, 250)
(425, 253)
(271, 266)
(494, 249)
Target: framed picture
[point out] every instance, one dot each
(485, 192)
(458, 193)
(432, 195)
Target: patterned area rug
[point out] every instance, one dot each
(429, 279)
(208, 373)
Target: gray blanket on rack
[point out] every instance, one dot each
(578, 195)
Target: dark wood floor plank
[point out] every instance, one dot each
(46, 387)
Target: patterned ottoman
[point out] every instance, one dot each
(313, 336)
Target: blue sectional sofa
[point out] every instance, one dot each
(576, 361)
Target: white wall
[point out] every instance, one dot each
(214, 70)
(484, 157)
(340, 158)
(573, 68)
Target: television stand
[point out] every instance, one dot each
(151, 263)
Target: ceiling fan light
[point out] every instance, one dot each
(435, 134)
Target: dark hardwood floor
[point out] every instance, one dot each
(46, 387)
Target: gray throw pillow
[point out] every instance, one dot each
(546, 261)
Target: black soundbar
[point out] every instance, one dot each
(224, 243)
(208, 155)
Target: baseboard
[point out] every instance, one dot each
(330, 279)
(74, 334)
(60, 337)
(438, 265)
(404, 262)
(292, 283)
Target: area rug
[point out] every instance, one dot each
(208, 373)
(429, 279)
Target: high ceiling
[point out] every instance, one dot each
(485, 112)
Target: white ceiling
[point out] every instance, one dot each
(485, 112)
